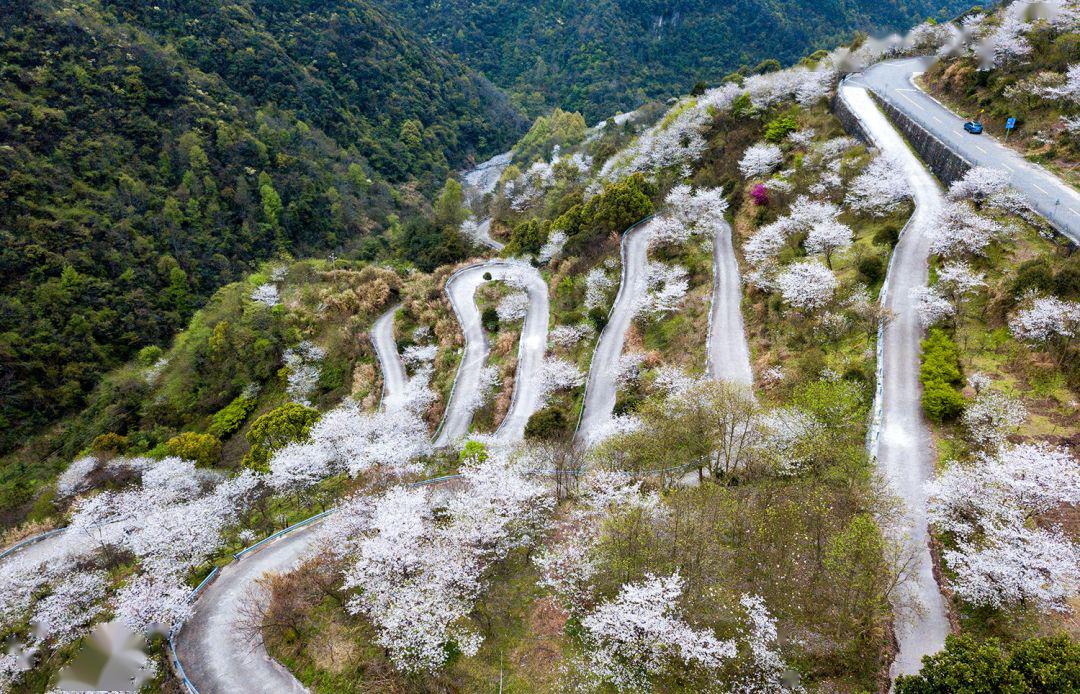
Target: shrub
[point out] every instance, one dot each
(778, 128)
(490, 319)
(548, 423)
(888, 235)
(204, 449)
(760, 195)
(110, 443)
(149, 355)
(1048, 664)
(229, 418)
(276, 429)
(941, 402)
(939, 371)
(872, 268)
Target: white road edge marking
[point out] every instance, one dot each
(1044, 192)
(916, 104)
(981, 149)
(1073, 210)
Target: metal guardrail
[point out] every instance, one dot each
(31, 540)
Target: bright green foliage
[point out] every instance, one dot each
(559, 128)
(1040, 665)
(473, 452)
(229, 418)
(449, 207)
(778, 128)
(276, 429)
(939, 372)
(110, 442)
(204, 449)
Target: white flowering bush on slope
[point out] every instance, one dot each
(417, 567)
(1006, 555)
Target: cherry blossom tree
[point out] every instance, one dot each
(640, 634)
(1070, 89)
(417, 355)
(73, 479)
(1047, 320)
(552, 247)
(879, 189)
(557, 374)
(767, 667)
(266, 294)
(930, 306)
(153, 603)
(807, 285)
(66, 613)
(566, 336)
(666, 285)
(979, 184)
(597, 286)
(828, 237)
(958, 229)
(991, 416)
(513, 307)
(1001, 557)
(760, 159)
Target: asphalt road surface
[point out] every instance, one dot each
(600, 388)
(894, 82)
(393, 370)
(903, 446)
(728, 355)
(461, 288)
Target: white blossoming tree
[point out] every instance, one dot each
(640, 634)
(807, 285)
(760, 159)
(879, 189)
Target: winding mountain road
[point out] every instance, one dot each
(903, 440)
(217, 652)
(728, 357)
(461, 288)
(727, 354)
(393, 370)
(478, 183)
(894, 81)
(600, 388)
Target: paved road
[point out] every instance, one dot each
(600, 388)
(728, 356)
(893, 81)
(461, 288)
(393, 370)
(217, 653)
(903, 449)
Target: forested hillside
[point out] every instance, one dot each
(153, 153)
(608, 56)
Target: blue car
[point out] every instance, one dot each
(973, 127)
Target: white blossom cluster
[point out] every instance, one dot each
(688, 212)
(153, 372)
(597, 286)
(566, 336)
(557, 374)
(417, 573)
(74, 479)
(879, 189)
(266, 294)
(824, 234)
(930, 306)
(1001, 558)
(1045, 318)
(346, 439)
(303, 365)
(760, 159)
(552, 247)
(487, 381)
(512, 307)
(807, 284)
(417, 355)
(959, 230)
(991, 416)
(665, 286)
(640, 632)
(628, 368)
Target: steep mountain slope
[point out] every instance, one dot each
(153, 153)
(607, 56)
